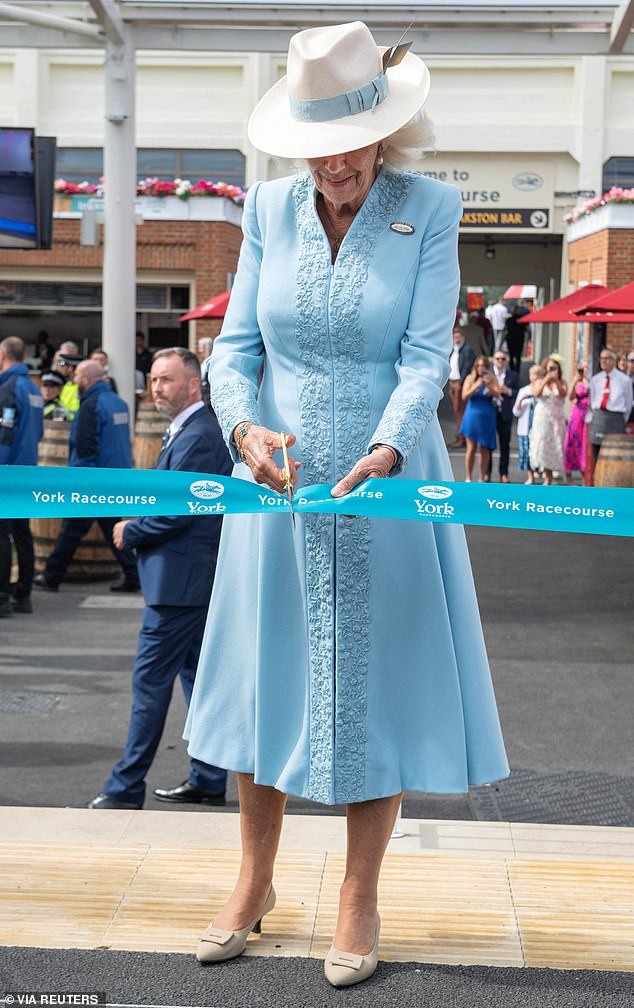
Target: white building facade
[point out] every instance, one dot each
(521, 135)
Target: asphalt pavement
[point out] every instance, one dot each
(143, 979)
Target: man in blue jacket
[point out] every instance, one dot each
(177, 560)
(20, 431)
(99, 437)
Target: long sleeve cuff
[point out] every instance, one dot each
(233, 403)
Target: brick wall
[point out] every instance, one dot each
(608, 258)
(208, 250)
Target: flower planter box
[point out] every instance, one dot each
(196, 208)
(612, 215)
(163, 207)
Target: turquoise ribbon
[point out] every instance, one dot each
(348, 103)
(51, 492)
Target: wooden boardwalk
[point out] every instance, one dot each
(470, 893)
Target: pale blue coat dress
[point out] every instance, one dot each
(344, 660)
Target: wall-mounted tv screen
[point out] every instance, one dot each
(18, 188)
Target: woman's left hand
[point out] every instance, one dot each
(377, 465)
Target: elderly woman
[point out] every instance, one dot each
(204, 346)
(343, 658)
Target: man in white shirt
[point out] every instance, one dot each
(460, 361)
(610, 400)
(497, 316)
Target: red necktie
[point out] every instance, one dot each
(606, 394)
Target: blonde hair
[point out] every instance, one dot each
(411, 143)
(405, 148)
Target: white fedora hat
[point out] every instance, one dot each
(336, 97)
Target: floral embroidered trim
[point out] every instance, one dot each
(403, 424)
(315, 392)
(234, 401)
(330, 338)
(352, 412)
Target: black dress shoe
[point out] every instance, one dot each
(23, 604)
(5, 607)
(123, 585)
(188, 792)
(105, 801)
(41, 581)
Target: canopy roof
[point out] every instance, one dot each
(521, 291)
(562, 310)
(481, 26)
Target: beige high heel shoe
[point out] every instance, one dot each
(217, 945)
(342, 969)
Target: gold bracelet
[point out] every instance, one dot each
(239, 434)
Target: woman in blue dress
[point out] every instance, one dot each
(479, 423)
(343, 658)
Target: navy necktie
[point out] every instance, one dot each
(165, 440)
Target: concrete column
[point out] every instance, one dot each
(258, 81)
(27, 80)
(591, 137)
(119, 264)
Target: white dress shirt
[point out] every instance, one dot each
(522, 408)
(498, 316)
(620, 399)
(180, 419)
(454, 374)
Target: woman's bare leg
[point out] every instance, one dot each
(485, 455)
(468, 459)
(261, 816)
(370, 824)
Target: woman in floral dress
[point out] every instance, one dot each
(546, 438)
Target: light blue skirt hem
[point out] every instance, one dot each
(405, 782)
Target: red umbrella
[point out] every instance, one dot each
(588, 315)
(562, 310)
(214, 308)
(619, 300)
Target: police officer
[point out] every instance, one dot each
(52, 383)
(100, 437)
(20, 430)
(65, 361)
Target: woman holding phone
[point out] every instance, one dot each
(479, 421)
(546, 439)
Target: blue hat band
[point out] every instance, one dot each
(339, 106)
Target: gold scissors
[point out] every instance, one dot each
(286, 473)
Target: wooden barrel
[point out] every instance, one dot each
(93, 559)
(148, 433)
(615, 464)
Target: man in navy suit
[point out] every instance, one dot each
(509, 383)
(176, 558)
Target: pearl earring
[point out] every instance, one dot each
(379, 159)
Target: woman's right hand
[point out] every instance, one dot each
(258, 447)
